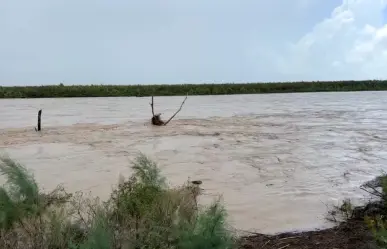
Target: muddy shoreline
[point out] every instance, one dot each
(352, 234)
(349, 233)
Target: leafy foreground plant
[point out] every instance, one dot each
(25, 213)
(142, 212)
(378, 222)
(374, 213)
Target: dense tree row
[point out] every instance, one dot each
(53, 91)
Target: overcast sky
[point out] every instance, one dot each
(190, 41)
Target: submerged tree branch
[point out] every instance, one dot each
(182, 103)
(156, 120)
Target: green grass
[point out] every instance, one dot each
(142, 212)
(57, 91)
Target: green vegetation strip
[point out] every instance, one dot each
(57, 91)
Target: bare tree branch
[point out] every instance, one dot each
(156, 120)
(151, 104)
(373, 192)
(182, 103)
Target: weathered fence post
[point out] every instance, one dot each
(39, 120)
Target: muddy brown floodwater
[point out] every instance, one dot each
(278, 160)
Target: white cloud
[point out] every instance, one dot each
(350, 44)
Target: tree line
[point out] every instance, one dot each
(57, 91)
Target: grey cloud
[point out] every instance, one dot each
(171, 41)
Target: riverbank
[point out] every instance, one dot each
(357, 227)
(352, 234)
(59, 91)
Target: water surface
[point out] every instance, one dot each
(276, 159)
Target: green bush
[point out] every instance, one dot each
(378, 223)
(142, 212)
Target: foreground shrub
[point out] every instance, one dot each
(374, 213)
(142, 212)
(378, 221)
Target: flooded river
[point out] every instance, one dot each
(276, 159)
